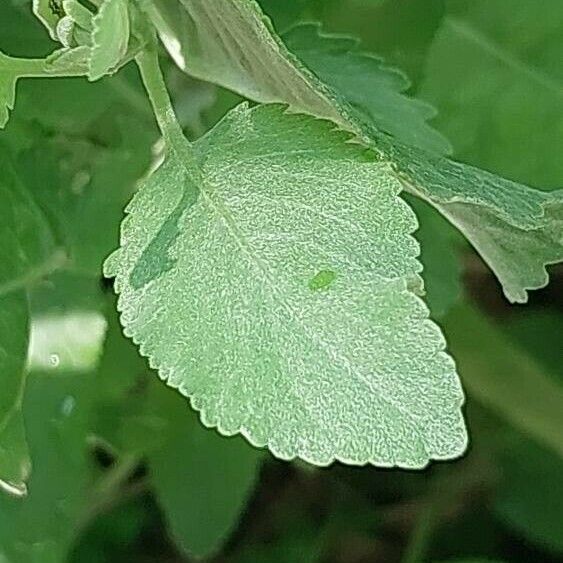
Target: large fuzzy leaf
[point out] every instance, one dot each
(268, 277)
(234, 45)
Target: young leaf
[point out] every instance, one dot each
(79, 14)
(14, 334)
(49, 12)
(233, 44)
(205, 490)
(268, 277)
(375, 90)
(110, 37)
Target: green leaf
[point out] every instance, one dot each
(81, 15)
(374, 89)
(40, 527)
(539, 332)
(529, 497)
(15, 464)
(438, 254)
(218, 253)
(28, 249)
(505, 378)
(534, 511)
(61, 393)
(110, 37)
(494, 72)
(517, 230)
(123, 425)
(49, 12)
(206, 488)
(89, 149)
(84, 187)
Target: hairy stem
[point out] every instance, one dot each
(153, 80)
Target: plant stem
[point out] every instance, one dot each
(35, 68)
(155, 86)
(107, 488)
(421, 537)
(53, 263)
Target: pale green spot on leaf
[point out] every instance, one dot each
(322, 280)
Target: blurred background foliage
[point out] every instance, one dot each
(121, 468)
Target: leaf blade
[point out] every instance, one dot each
(213, 476)
(505, 378)
(15, 463)
(376, 90)
(274, 336)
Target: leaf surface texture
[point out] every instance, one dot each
(268, 275)
(234, 45)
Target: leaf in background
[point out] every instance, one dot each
(507, 222)
(40, 527)
(494, 71)
(439, 256)
(374, 89)
(110, 37)
(67, 330)
(505, 378)
(241, 287)
(81, 184)
(401, 32)
(68, 324)
(126, 422)
(85, 188)
(534, 511)
(28, 248)
(15, 464)
(539, 332)
(102, 111)
(26, 254)
(204, 491)
(529, 497)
